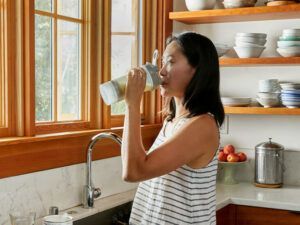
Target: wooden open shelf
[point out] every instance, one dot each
(280, 61)
(291, 11)
(262, 111)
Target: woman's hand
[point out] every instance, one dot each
(135, 87)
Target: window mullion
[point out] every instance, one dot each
(55, 67)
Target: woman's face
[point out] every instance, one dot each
(176, 72)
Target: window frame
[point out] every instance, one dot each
(7, 70)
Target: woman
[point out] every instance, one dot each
(179, 171)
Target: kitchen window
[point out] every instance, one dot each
(55, 52)
(60, 75)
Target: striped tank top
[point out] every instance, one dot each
(183, 196)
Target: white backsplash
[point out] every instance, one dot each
(60, 187)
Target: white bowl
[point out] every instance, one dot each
(194, 5)
(268, 95)
(290, 86)
(249, 52)
(255, 35)
(268, 102)
(289, 51)
(231, 5)
(291, 32)
(222, 49)
(253, 40)
(283, 44)
(246, 44)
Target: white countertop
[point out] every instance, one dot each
(286, 198)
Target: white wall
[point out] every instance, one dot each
(60, 187)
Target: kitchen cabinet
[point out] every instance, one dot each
(248, 215)
(291, 11)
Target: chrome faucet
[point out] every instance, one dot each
(89, 191)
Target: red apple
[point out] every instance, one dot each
(242, 156)
(232, 157)
(229, 149)
(222, 156)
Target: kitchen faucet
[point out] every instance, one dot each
(90, 192)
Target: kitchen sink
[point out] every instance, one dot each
(117, 215)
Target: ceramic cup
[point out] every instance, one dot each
(18, 218)
(58, 220)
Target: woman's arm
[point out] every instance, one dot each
(133, 151)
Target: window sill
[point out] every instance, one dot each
(20, 155)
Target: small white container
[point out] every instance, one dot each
(255, 35)
(58, 220)
(249, 52)
(194, 5)
(268, 102)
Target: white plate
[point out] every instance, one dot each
(236, 101)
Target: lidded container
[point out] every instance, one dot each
(269, 165)
(114, 90)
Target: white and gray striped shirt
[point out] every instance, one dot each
(183, 196)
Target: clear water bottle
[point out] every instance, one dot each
(114, 90)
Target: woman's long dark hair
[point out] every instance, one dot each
(202, 94)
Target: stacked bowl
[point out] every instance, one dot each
(289, 43)
(250, 45)
(195, 5)
(229, 4)
(222, 49)
(268, 95)
(290, 95)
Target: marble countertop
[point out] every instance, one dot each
(286, 198)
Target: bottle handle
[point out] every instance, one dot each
(155, 57)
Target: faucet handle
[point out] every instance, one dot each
(96, 192)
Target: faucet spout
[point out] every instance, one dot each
(90, 192)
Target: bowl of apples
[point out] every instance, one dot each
(228, 158)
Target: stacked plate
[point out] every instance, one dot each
(289, 43)
(291, 98)
(228, 4)
(250, 45)
(236, 101)
(290, 86)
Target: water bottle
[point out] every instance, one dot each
(114, 90)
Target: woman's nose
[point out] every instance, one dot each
(162, 71)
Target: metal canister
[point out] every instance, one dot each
(269, 164)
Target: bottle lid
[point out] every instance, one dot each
(109, 93)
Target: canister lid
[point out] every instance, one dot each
(269, 145)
